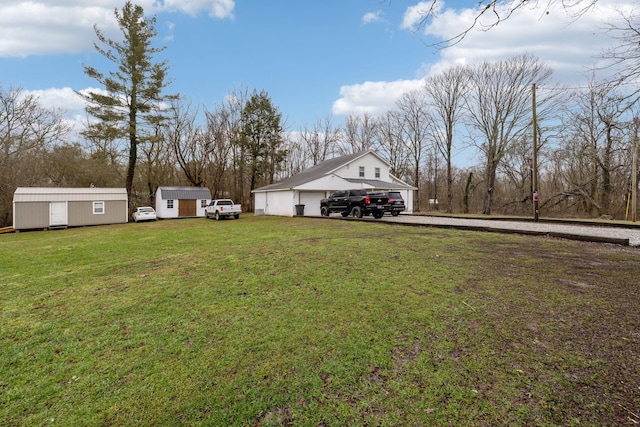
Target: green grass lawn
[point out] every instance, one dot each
(297, 321)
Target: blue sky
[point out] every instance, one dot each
(314, 57)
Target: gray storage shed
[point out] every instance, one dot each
(50, 207)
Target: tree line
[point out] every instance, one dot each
(141, 137)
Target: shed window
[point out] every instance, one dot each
(203, 203)
(169, 204)
(361, 173)
(98, 208)
(377, 172)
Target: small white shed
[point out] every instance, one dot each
(50, 207)
(181, 202)
(365, 170)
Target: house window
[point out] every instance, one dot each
(169, 204)
(98, 208)
(377, 172)
(361, 173)
(203, 203)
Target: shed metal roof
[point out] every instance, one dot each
(184, 193)
(57, 194)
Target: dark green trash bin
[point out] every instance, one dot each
(300, 210)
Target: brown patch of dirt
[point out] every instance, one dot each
(575, 311)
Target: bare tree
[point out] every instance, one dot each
(499, 107)
(445, 97)
(187, 141)
(624, 57)
(158, 167)
(390, 145)
(222, 127)
(596, 127)
(320, 142)
(359, 134)
(413, 115)
(233, 105)
(516, 168)
(27, 130)
(296, 160)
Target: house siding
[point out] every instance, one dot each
(369, 163)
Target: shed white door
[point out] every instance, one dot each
(57, 213)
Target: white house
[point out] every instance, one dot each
(52, 207)
(181, 202)
(359, 170)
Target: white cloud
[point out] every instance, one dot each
(216, 8)
(65, 98)
(38, 27)
(373, 98)
(372, 17)
(68, 101)
(570, 46)
(414, 15)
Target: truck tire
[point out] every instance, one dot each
(324, 211)
(236, 216)
(345, 214)
(217, 216)
(356, 212)
(377, 215)
(394, 213)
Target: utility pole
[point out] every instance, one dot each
(634, 174)
(534, 168)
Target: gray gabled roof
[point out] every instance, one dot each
(184, 193)
(315, 172)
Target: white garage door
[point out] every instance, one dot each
(311, 202)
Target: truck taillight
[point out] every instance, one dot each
(391, 201)
(367, 200)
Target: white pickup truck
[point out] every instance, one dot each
(222, 208)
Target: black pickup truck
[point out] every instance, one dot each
(356, 203)
(396, 202)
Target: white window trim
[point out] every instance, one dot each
(104, 207)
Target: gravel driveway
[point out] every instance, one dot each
(588, 231)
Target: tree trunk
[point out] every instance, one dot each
(449, 183)
(467, 190)
(606, 173)
(131, 167)
(490, 182)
